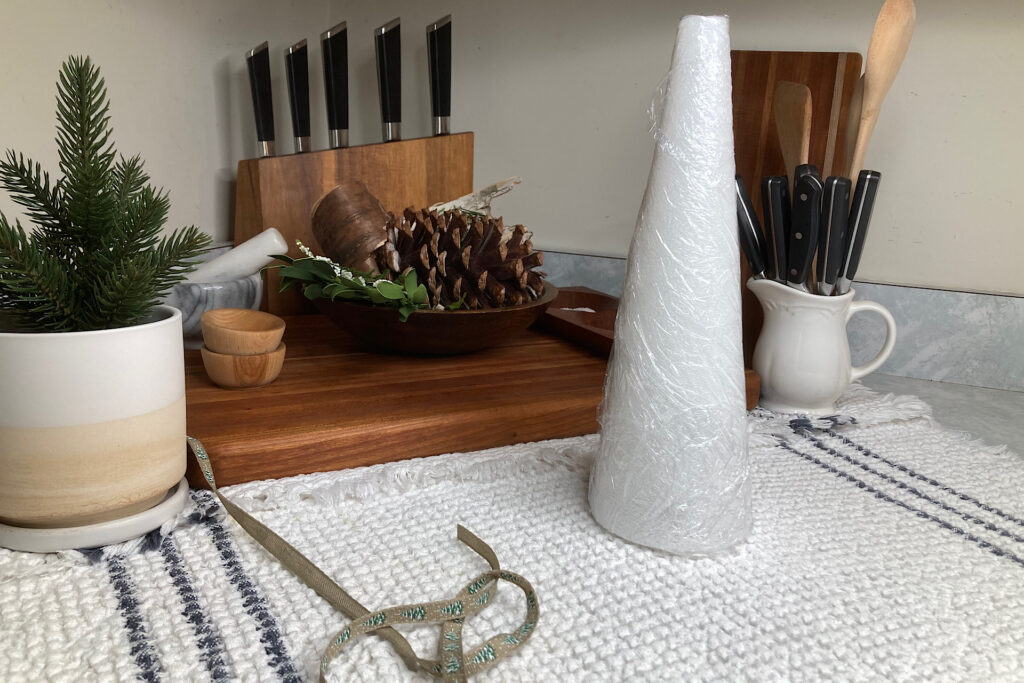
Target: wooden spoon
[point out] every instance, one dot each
(889, 43)
(792, 106)
(853, 124)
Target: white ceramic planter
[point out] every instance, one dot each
(92, 424)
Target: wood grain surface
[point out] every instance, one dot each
(280, 191)
(596, 330)
(336, 406)
(831, 77)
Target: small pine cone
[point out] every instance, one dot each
(456, 254)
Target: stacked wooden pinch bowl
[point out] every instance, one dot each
(242, 348)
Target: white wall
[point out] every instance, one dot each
(176, 78)
(556, 92)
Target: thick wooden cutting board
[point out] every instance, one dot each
(336, 406)
(831, 77)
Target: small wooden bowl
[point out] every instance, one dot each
(241, 332)
(236, 372)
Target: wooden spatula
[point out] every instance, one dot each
(792, 107)
(889, 43)
(853, 125)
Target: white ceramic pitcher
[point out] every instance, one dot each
(803, 353)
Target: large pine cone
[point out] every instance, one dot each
(457, 254)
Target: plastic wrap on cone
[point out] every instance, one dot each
(671, 470)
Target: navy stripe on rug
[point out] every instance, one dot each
(141, 650)
(864, 486)
(253, 602)
(902, 485)
(208, 640)
(926, 479)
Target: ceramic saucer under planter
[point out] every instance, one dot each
(35, 540)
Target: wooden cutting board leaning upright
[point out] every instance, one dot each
(831, 77)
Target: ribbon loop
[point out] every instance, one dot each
(452, 663)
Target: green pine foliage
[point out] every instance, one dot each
(96, 259)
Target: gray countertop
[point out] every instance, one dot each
(993, 415)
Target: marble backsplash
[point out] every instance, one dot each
(959, 337)
(602, 273)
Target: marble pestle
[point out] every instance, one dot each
(244, 260)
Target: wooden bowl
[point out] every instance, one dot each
(433, 333)
(241, 332)
(236, 372)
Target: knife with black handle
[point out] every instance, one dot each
(857, 228)
(388, 41)
(835, 203)
(296, 66)
(258, 61)
(751, 239)
(775, 202)
(439, 63)
(805, 169)
(803, 234)
(334, 49)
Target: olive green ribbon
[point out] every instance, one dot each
(452, 663)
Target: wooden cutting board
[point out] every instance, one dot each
(336, 406)
(831, 77)
(587, 317)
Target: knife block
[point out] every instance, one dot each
(280, 192)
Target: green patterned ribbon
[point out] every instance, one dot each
(452, 663)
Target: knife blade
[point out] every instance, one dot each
(334, 50)
(258, 62)
(857, 228)
(803, 235)
(388, 41)
(775, 201)
(439, 63)
(835, 202)
(751, 240)
(296, 66)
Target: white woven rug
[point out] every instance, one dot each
(884, 549)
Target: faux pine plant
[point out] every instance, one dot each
(96, 259)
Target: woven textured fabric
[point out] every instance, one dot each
(884, 547)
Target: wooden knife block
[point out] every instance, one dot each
(280, 192)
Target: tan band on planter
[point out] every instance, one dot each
(452, 663)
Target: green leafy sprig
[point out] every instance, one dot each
(321, 278)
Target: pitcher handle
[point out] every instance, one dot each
(890, 336)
